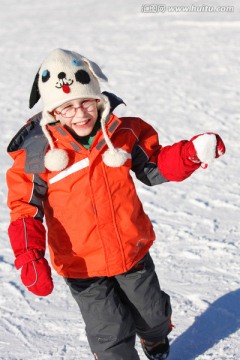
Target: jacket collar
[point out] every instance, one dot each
(62, 135)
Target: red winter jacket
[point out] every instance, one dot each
(96, 222)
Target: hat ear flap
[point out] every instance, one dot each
(95, 69)
(35, 94)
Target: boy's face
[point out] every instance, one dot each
(78, 116)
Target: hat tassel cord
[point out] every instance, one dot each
(113, 157)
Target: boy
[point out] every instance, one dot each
(75, 159)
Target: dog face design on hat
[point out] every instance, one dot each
(63, 82)
(63, 76)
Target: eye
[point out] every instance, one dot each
(82, 77)
(65, 110)
(67, 107)
(45, 75)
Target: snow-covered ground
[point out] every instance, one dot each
(180, 72)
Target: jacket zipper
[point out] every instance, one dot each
(114, 220)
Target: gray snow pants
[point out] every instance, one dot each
(117, 308)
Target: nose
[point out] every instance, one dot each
(81, 109)
(61, 75)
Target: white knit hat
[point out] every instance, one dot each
(64, 76)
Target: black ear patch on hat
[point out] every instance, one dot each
(35, 94)
(45, 75)
(82, 77)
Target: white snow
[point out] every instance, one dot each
(205, 146)
(180, 72)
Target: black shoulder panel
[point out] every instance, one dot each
(31, 138)
(147, 172)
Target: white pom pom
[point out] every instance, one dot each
(56, 160)
(115, 157)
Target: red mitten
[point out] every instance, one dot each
(27, 237)
(204, 148)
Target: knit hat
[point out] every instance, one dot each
(64, 76)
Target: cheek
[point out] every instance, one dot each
(64, 121)
(95, 114)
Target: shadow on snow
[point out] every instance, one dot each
(221, 319)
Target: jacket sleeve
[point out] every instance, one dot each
(26, 232)
(145, 154)
(154, 164)
(25, 191)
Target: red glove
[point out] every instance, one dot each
(204, 148)
(27, 237)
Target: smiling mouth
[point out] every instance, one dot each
(81, 123)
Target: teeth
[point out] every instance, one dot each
(81, 122)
